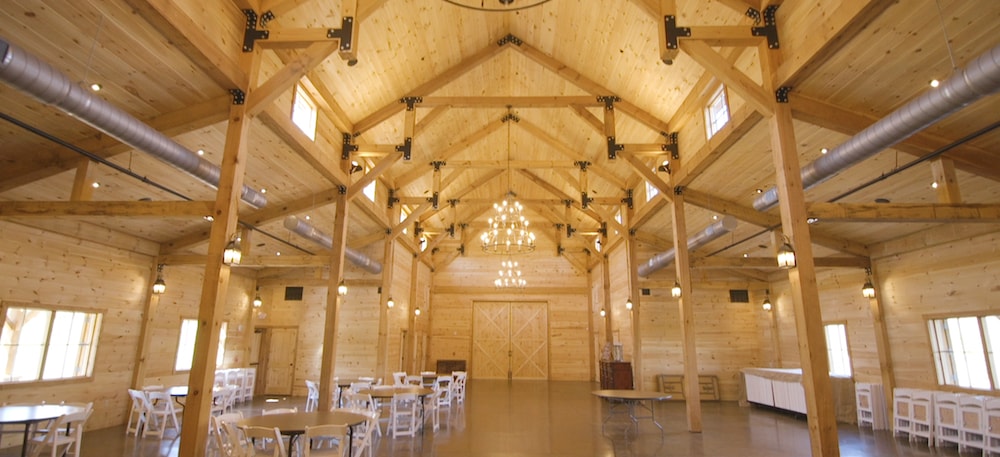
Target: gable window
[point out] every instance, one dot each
(185, 345)
(369, 190)
(717, 112)
(47, 344)
(651, 191)
(304, 111)
(836, 348)
(964, 350)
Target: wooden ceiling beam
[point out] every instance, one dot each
(418, 170)
(286, 77)
(50, 161)
(372, 174)
(731, 76)
(647, 211)
(198, 209)
(904, 212)
(770, 263)
(562, 195)
(688, 168)
(324, 160)
(558, 146)
(429, 87)
(647, 173)
(572, 76)
(968, 157)
(512, 101)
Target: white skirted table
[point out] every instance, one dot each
(630, 399)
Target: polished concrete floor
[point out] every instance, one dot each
(528, 419)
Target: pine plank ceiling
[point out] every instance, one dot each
(171, 63)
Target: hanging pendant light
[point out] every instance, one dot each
(676, 290)
(767, 300)
(508, 232)
(257, 302)
(159, 286)
(232, 255)
(786, 256)
(868, 290)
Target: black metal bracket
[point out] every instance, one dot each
(461, 249)
(405, 148)
(510, 38)
(250, 32)
(417, 229)
(584, 199)
(451, 230)
(347, 147)
(570, 231)
(583, 164)
(510, 117)
(343, 33)
(560, 250)
(433, 200)
(559, 225)
(437, 164)
(411, 101)
(678, 190)
(614, 148)
(434, 251)
(568, 202)
(268, 16)
(604, 229)
(769, 29)
(628, 198)
(393, 199)
(453, 202)
(632, 232)
(342, 189)
(609, 101)
(674, 32)
(671, 145)
(239, 97)
(781, 94)
(753, 13)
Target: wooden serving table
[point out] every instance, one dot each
(31, 415)
(294, 424)
(630, 399)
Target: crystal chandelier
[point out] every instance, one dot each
(508, 232)
(510, 276)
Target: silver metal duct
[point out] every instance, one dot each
(311, 233)
(979, 79)
(40, 80)
(719, 228)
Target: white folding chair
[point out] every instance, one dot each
(222, 441)
(265, 441)
(458, 386)
(902, 411)
(946, 419)
(325, 441)
(136, 415)
(160, 413)
(399, 378)
(63, 436)
(371, 422)
(312, 397)
(404, 418)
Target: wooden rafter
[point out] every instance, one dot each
(904, 212)
(106, 208)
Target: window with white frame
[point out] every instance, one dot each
(836, 348)
(651, 191)
(304, 111)
(185, 345)
(964, 350)
(47, 344)
(717, 112)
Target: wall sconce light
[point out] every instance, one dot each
(257, 302)
(868, 290)
(676, 290)
(628, 304)
(232, 255)
(603, 313)
(767, 300)
(416, 312)
(159, 286)
(664, 167)
(355, 167)
(342, 289)
(786, 256)
(389, 303)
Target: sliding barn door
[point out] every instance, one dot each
(510, 340)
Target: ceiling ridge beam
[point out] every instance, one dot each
(428, 87)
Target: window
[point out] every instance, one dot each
(404, 212)
(47, 344)
(836, 348)
(963, 349)
(304, 112)
(369, 190)
(185, 345)
(651, 191)
(717, 112)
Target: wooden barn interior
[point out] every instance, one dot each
(651, 143)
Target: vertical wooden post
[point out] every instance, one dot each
(633, 291)
(410, 358)
(197, 408)
(82, 190)
(943, 169)
(608, 324)
(333, 301)
(685, 306)
(882, 346)
(382, 351)
(145, 335)
(811, 337)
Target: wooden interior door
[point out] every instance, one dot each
(280, 361)
(529, 333)
(510, 340)
(490, 340)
